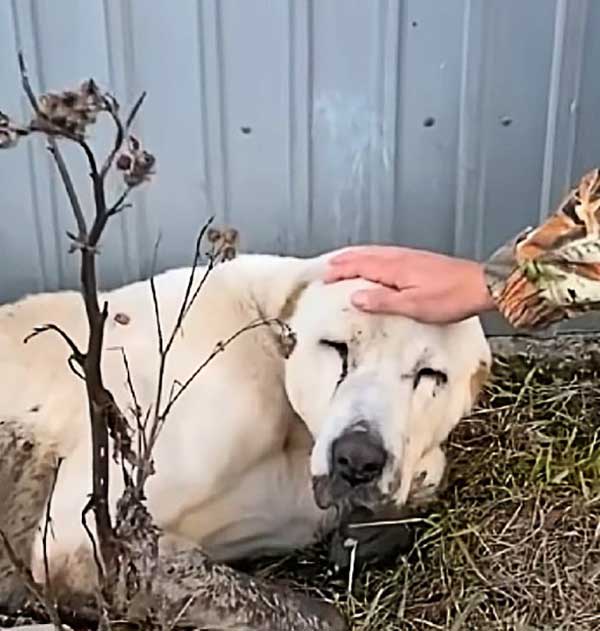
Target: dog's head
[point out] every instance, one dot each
(376, 392)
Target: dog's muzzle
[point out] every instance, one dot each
(356, 465)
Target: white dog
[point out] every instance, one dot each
(260, 450)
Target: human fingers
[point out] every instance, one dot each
(386, 301)
(339, 272)
(368, 268)
(347, 253)
(362, 251)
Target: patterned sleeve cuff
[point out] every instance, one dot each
(551, 273)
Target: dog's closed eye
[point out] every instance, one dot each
(430, 373)
(342, 349)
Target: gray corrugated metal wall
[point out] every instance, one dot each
(308, 124)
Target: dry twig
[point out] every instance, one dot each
(127, 558)
(42, 595)
(65, 117)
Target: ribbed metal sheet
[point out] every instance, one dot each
(307, 124)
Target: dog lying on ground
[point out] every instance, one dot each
(263, 453)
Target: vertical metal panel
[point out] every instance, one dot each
(307, 124)
(428, 114)
(254, 51)
(585, 101)
(520, 53)
(348, 143)
(162, 50)
(21, 241)
(565, 84)
(299, 180)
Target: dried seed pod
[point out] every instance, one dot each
(144, 161)
(137, 163)
(287, 342)
(224, 242)
(140, 170)
(47, 104)
(124, 162)
(69, 99)
(228, 253)
(72, 111)
(8, 138)
(10, 132)
(93, 99)
(134, 144)
(230, 236)
(213, 235)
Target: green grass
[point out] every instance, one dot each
(514, 540)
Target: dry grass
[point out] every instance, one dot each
(514, 542)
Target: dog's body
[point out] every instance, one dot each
(235, 459)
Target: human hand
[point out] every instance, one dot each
(429, 287)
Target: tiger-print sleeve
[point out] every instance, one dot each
(552, 272)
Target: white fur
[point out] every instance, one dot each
(234, 459)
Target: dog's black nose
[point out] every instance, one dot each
(358, 457)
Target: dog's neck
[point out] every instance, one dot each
(273, 283)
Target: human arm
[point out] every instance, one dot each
(542, 276)
(552, 273)
(426, 286)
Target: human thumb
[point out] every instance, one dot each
(383, 300)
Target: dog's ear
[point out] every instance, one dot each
(291, 301)
(285, 336)
(477, 382)
(311, 271)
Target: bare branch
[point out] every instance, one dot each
(47, 522)
(51, 129)
(121, 131)
(161, 346)
(137, 408)
(219, 348)
(77, 355)
(69, 187)
(120, 137)
(75, 367)
(126, 557)
(26, 576)
(103, 412)
(45, 126)
(207, 271)
(222, 245)
(134, 110)
(99, 567)
(26, 83)
(119, 205)
(90, 158)
(164, 349)
(187, 303)
(115, 211)
(220, 251)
